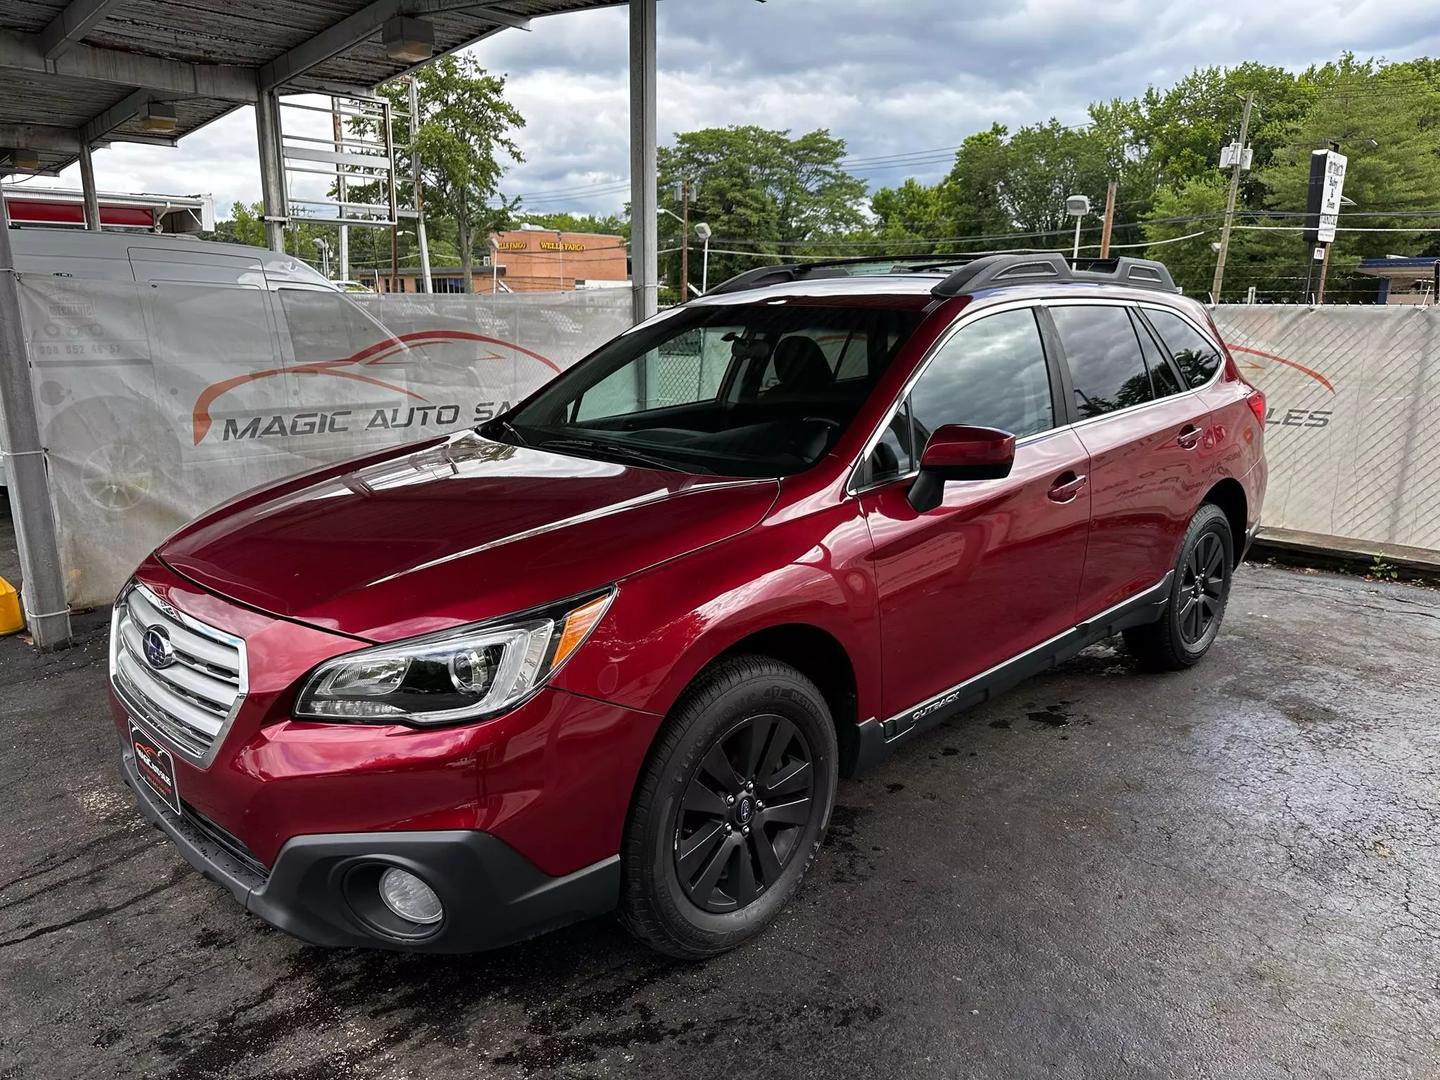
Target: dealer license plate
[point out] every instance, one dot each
(155, 766)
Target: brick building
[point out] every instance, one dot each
(527, 260)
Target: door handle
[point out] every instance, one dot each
(1066, 487)
(1189, 437)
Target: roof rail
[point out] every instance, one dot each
(976, 271)
(995, 270)
(828, 268)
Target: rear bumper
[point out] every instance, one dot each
(321, 887)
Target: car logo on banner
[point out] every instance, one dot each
(158, 649)
(1286, 417)
(390, 352)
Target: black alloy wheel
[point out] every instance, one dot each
(744, 812)
(730, 807)
(1202, 588)
(1199, 588)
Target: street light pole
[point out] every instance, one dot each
(684, 240)
(1235, 170)
(1077, 206)
(703, 231)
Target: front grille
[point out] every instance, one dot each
(190, 701)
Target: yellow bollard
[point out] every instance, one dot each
(11, 621)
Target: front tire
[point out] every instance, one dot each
(1182, 636)
(730, 809)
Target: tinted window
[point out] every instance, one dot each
(1162, 376)
(1197, 359)
(990, 374)
(737, 389)
(1103, 355)
(327, 325)
(893, 455)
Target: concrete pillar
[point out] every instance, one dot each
(272, 177)
(42, 589)
(644, 226)
(87, 187)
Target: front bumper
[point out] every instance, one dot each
(320, 886)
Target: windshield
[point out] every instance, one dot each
(739, 390)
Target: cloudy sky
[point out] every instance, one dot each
(891, 77)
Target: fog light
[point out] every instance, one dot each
(409, 897)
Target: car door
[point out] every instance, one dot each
(1143, 431)
(992, 570)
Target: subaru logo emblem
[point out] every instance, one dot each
(745, 810)
(159, 652)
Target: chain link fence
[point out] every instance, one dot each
(1352, 438)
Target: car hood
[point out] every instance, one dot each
(454, 531)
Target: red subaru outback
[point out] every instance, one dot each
(616, 648)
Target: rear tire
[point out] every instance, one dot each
(1182, 636)
(730, 809)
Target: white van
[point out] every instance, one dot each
(261, 308)
(141, 256)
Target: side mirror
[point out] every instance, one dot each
(958, 452)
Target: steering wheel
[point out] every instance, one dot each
(833, 425)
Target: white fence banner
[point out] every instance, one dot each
(1353, 432)
(158, 401)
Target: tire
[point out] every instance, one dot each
(745, 709)
(1182, 636)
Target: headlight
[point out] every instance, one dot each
(458, 675)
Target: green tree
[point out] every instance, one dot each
(971, 192)
(1191, 206)
(464, 132)
(1386, 120)
(913, 211)
(608, 224)
(245, 225)
(760, 189)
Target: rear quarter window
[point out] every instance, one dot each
(1194, 354)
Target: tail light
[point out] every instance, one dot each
(1257, 404)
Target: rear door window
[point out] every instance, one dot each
(1194, 354)
(1103, 354)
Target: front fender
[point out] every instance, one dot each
(669, 622)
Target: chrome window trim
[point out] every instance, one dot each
(141, 710)
(967, 317)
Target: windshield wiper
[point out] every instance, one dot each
(505, 425)
(619, 450)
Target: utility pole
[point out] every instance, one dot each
(684, 241)
(1235, 169)
(1109, 220)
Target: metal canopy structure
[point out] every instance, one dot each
(76, 74)
(84, 71)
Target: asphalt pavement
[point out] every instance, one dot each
(1230, 872)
